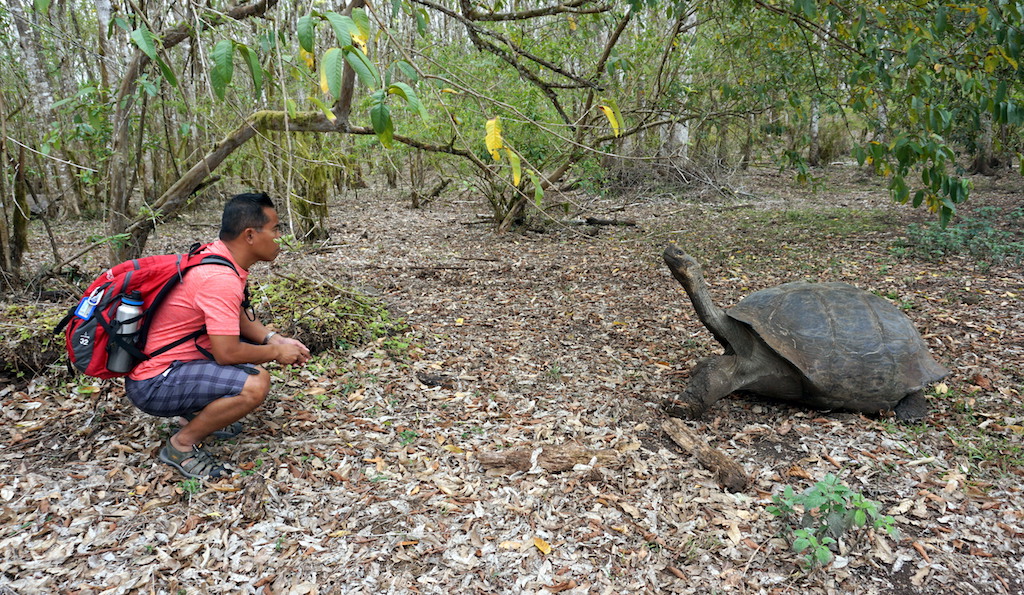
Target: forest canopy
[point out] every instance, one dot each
(126, 112)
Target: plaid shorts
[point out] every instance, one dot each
(187, 387)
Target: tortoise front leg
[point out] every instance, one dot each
(712, 379)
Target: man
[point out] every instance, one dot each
(214, 394)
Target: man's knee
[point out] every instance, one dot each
(256, 388)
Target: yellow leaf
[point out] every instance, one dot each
(517, 169)
(323, 108)
(308, 58)
(572, 23)
(610, 114)
(453, 449)
(542, 545)
(493, 138)
(360, 42)
(323, 82)
(991, 63)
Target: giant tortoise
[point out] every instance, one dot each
(822, 345)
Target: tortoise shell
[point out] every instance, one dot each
(853, 347)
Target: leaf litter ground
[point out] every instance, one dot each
(360, 474)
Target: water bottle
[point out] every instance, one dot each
(129, 313)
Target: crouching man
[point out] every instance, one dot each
(213, 395)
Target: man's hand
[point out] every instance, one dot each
(290, 351)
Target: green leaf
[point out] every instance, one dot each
(913, 55)
(145, 41)
(421, 21)
(166, 71)
(333, 66)
(807, 7)
(409, 95)
(538, 190)
(362, 22)
(380, 117)
(407, 69)
(118, 22)
(941, 19)
(255, 69)
(365, 69)
(800, 544)
(306, 31)
(343, 28)
(41, 6)
(223, 66)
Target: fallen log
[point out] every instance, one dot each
(728, 473)
(602, 221)
(553, 458)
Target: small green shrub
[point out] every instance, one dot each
(979, 236)
(826, 511)
(324, 316)
(28, 345)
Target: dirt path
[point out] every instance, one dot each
(362, 473)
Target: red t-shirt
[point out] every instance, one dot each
(210, 295)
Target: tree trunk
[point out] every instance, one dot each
(41, 92)
(983, 151)
(814, 151)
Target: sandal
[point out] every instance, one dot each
(195, 463)
(227, 433)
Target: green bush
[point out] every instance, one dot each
(322, 315)
(979, 236)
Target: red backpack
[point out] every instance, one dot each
(92, 327)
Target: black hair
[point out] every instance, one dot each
(242, 212)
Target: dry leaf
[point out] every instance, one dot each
(559, 587)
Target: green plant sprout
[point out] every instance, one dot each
(190, 486)
(826, 511)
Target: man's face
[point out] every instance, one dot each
(264, 240)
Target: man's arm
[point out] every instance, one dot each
(252, 330)
(231, 349)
